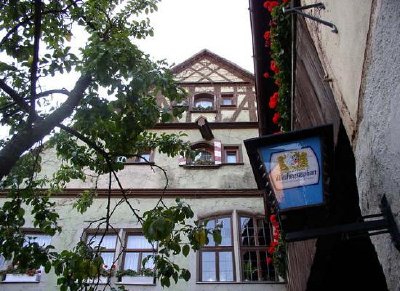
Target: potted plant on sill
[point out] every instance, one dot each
(129, 276)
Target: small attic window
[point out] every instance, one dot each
(228, 100)
(203, 101)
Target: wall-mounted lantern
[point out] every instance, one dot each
(294, 169)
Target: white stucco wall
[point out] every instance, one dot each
(342, 54)
(363, 60)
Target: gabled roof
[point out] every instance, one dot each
(207, 67)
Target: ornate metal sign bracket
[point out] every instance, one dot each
(370, 226)
(316, 5)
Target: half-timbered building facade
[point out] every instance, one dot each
(220, 112)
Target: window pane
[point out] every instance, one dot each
(231, 157)
(227, 101)
(108, 259)
(145, 157)
(208, 266)
(203, 103)
(225, 231)
(138, 242)
(249, 266)
(225, 266)
(108, 241)
(263, 233)
(247, 231)
(131, 261)
(267, 271)
(150, 263)
(210, 225)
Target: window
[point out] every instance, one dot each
(138, 248)
(204, 154)
(250, 240)
(30, 275)
(123, 254)
(143, 158)
(106, 244)
(203, 101)
(227, 100)
(232, 155)
(255, 236)
(216, 260)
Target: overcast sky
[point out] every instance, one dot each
(185, 27)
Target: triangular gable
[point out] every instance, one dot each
(207, 67)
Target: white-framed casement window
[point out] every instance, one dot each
(217, 260)
(31, 275)
(241, 256)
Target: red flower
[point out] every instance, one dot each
(268, 260)
(276, 117)
(274, 67)
(273, 102)
(274, 244)
(285, 1)
(278, 82)
(269, 5)
(266, 75)
(267, 35)
(271, 250)
(272, 218)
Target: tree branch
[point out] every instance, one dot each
(37, 31)
(14, 95)
(25, 139)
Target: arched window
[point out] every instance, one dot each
(204, 154)
(203, 101)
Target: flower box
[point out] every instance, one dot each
(21, 278)
(139, 280)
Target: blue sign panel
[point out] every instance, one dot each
(295, 172)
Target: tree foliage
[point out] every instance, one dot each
(105, 115)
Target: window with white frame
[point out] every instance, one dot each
(217, 262)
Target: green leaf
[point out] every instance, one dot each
(185, 250)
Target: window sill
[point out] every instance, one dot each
(138, 280)
(21, 278)
(139, 164)
(200, 166)
(240, 283)
(232, 164)
(203, 111)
